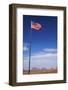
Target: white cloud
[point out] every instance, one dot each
(42, 59)
(44, 55)
(50, 50)
(25, 48)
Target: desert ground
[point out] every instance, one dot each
(40, 71)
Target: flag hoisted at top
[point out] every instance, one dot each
(35, 25)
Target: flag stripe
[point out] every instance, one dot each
(36, 26)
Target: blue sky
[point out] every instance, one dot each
(44, 41)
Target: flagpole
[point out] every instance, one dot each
(37, 26)
(30, 51)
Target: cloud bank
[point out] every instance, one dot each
(46, 58)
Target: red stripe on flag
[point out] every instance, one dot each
(36, 26)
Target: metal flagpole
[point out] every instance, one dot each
(30, 50)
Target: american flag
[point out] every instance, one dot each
(35, 25)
